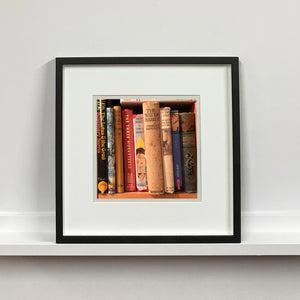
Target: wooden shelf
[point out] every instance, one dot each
(146, 195)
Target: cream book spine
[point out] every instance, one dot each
(153, 146)
(140, 153)
(167, 152)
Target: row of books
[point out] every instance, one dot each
(152, 151)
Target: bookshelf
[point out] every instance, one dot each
(181, 106)
(146, 195)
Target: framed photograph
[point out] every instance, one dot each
(147, 150)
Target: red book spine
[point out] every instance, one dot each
(128, 144)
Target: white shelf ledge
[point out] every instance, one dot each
(263, 233)
(43, 244)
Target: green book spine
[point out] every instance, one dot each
(189, 151)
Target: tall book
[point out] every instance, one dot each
(119, 148)
(153, 144)
(176, 150)
(111, 160)
(140, 158)
(129, 165)
(189, 151)
(166, 134)
(102, 158)
(98, 140)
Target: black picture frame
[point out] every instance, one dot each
(234, 63)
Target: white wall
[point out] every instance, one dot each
(264, 34)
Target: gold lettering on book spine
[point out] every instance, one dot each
(98, 128)
(127, 132)
(103, 131)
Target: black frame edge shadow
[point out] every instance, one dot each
(188, 239)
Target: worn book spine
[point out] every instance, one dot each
(166, 133)
(140, 158)
(176, 150)
(102, 158)
(153, 145)
(111, 159)
(129, 165)
(119, 149)
(189, 151)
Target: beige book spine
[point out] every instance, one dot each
(119, 148)
(166, 133)
(153, 145)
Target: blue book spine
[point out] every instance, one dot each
(176, 150)
(111, 151)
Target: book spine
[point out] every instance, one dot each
(119, 149)
(140, 158)
(98, 141)
(102, 161)
(111, 159)
(189, 151)
(176, 150)
(167, 149)
(153, 145)
(129, 166)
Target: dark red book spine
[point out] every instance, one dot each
(128, 144)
